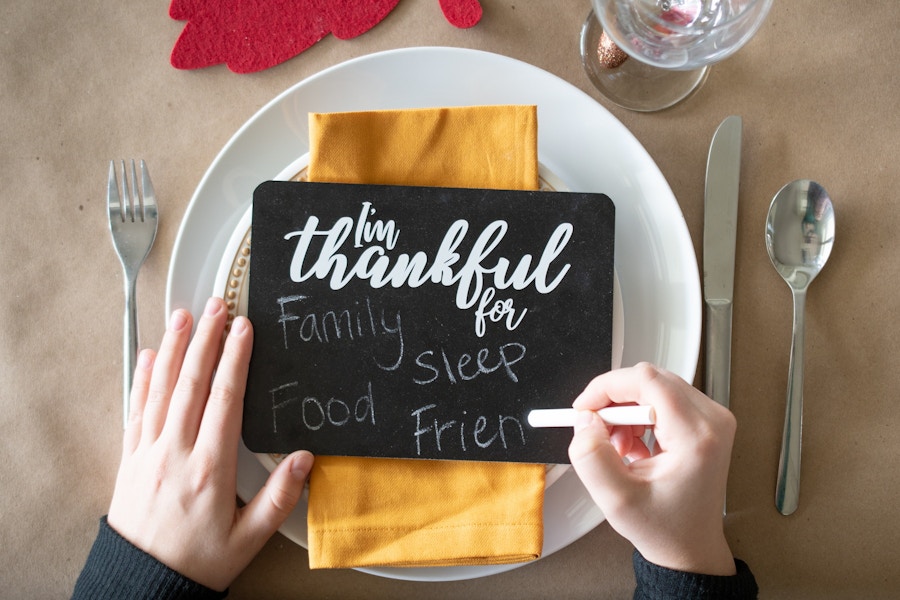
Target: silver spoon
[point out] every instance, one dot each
(799, 236)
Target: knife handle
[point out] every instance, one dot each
(718, 351)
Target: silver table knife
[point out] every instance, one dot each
(723, 170)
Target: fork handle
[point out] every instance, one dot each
(130, 346)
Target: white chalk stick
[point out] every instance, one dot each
(612, 415)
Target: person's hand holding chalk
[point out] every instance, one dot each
(667, 500)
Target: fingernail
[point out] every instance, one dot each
(212, 307)
(178, 320)
(145, 360)
(239, 326)
(583, 419)
(301, 465)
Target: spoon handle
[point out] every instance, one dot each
(787, 489)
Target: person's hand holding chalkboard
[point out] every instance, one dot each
(175, 492)
(669, 503)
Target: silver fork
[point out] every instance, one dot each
(133, 219)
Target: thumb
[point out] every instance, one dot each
(596, 461)
(274, 502)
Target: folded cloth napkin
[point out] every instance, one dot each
(423, 513)
(475, 147)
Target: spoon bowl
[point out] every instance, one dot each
(799, 238)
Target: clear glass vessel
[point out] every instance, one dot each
(669, 45)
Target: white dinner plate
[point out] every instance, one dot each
(578, 140)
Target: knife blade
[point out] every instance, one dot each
(723, 170)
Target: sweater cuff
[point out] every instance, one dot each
(655, 582)
(116, 568)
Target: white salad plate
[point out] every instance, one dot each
(579, 142)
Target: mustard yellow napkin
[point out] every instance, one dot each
(475, 147)
(418, 513)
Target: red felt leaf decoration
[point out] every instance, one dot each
(252, 35)
(462, 13)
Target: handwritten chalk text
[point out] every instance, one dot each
(455, 431)
(315, 412)
(465, 368)
(349, 324)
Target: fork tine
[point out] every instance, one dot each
(114, 203)
(123, 190)
(148, 194)
(134, 200)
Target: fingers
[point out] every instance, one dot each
(595, 459)
(193, 385)
(139, 388)
(678, 405)
(628, 442)
(271, 506)
(221, 423)
(686, 418)
(619, 386)
(165, 373)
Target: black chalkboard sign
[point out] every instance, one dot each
(417, 322)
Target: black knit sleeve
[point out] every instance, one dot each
(659, 583)
(117, 569)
